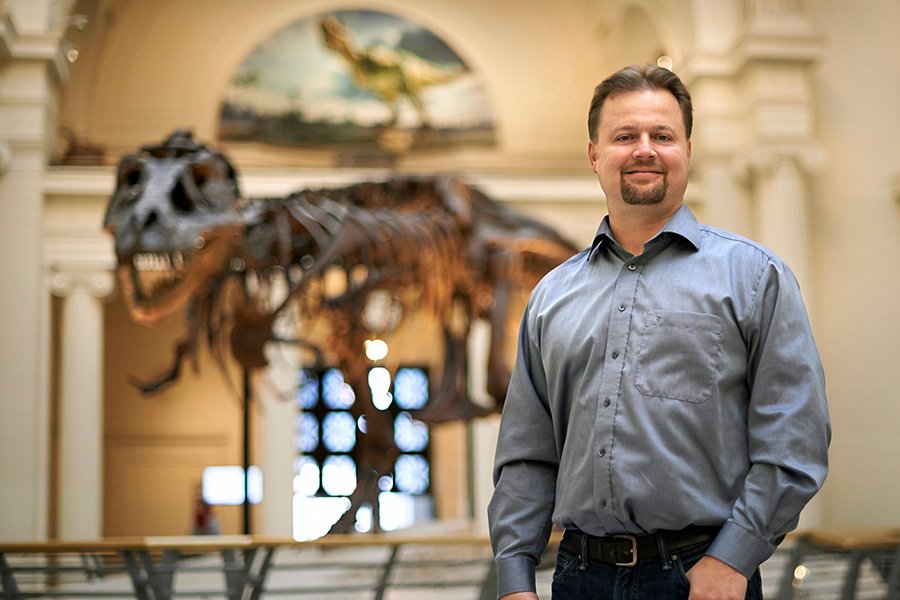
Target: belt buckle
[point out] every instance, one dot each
(634, 556)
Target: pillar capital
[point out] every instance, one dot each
(98, 283)
(766, 159)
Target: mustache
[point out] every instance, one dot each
(644, 164)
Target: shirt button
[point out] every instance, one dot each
(615, 354)
(602, 503)
(631, 267)
(621, 307)
(602, 452)
(606, 402)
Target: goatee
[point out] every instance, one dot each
(644, 196)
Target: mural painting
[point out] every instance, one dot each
(356, 82)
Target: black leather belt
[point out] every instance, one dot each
(626, 550)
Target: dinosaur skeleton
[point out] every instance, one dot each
(360, 258)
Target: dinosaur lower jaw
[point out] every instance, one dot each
(159, 284)
(155, 274)
(153, 296)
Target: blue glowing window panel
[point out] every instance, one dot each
(410, 388)
(339, 431)
(308, 390)
(307, 432)
(411, 474)
(339, 476)
(410, 435)
(335, 393)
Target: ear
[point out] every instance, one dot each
(592, 156)
(689, 150)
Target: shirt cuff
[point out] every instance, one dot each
(515, 574)
(740, 549)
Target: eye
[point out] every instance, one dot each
(625, 137)
(664, 137)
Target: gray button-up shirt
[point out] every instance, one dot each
(679, 387)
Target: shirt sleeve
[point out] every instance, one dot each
(525, 470)
(788, 424)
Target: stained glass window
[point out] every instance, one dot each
(306, 480)
(328, 440)
(410, 435)
(335, 392)
(410, 388)
(339, 475)
(307, 432)
(411, 473)
(307, 390)
(339, 431)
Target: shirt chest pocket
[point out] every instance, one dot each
(679, 355)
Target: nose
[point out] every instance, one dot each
(644, 148)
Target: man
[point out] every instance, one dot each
(667, 408)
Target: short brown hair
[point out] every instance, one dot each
(635, 78)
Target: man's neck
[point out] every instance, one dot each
(635, 225)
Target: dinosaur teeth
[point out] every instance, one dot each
(156, 272)
(158, 261)
(148, 261)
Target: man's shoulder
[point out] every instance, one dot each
(556, 279)
(736, 245)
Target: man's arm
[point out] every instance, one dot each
(787, 422)
(524, 474)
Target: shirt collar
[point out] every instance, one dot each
(682, 224)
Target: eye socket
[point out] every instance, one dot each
(131, 173)
(130, 179)
(200, 172)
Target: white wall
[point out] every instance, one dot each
(857, 256)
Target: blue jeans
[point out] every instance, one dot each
(651, 579)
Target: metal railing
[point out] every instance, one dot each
(812, 565)
(146, 568)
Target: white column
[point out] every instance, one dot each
(275, 391)
(781, 220)
(781, 201)
(31, 70)
(81, 404)
(24, 400)
(725, 200)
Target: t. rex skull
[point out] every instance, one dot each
(176, 220)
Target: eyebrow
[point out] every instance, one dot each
(655, 128)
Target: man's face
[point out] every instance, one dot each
(642, 154)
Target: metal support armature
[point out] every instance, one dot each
(151, 581)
